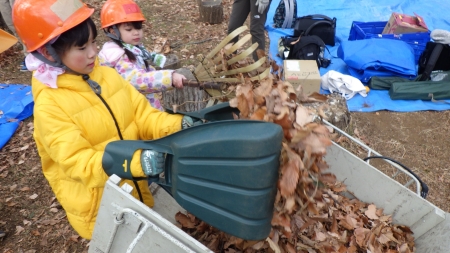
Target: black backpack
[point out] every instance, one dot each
(436, 56)
(306, 48)
(320, 25)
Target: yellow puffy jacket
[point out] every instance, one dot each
(72, 126)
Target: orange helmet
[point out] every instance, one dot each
(120, 11)
(38, 22)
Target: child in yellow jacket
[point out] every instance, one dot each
(80, 107)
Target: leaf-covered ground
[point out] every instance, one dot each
(34, 221)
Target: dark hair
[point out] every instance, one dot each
(77, 36)
(136, 24)
(130, 55)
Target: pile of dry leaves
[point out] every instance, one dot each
(310, 212)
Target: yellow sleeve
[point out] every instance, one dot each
(152, 124)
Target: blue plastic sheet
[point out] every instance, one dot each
(385, 58)
(16, 104)
(434, 12)
(377, 101)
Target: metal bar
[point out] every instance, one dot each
(409, 183)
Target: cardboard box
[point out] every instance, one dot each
(401, 23)
(303, 72)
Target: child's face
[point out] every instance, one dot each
(130, 35)
(81, 59)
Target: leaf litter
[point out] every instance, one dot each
(310, 213)
(12, 57)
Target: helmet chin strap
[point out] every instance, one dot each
(115, 36)
(59, 64)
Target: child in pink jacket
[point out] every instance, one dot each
(122, 22)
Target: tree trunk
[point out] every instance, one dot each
(211, 11)
(188, 99)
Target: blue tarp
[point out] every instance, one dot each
(16, 104)
(434, 12)
(385, 58)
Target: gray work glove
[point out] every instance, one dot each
(262, 5)
(152, 162)
(440, 36)
(189, 121)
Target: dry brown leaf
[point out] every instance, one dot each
(184, 220)
(13, 187)
(383, 239)
(282, 111)
(319, 236)
(289, 205)
(289, 179)
(360, 235)
(159, 43)
(379, 212)
(328, 178)
(371, 212)
(43, 241)
(404, 248)
(300, 134)
(74, 238)
(35, 233)
(284, 122)
(34, 196)
(166, 49)
(352, 249)
(238, 242)
(242, 105)
(317, 144)
(49, 222)
(302, 116)
(26, 188)
(259, 114)
(386, 218)
(19, 230)
(249, 244)
(321, 129)
(191, 217)
(273, 245)
(347, 223)
(282, 220)
(4, 174)
(264, 89)
(213, 244)
(290, 248)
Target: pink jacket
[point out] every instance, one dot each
(152, 82)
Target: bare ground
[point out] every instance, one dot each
(35, 222)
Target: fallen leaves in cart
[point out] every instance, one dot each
(312, 211)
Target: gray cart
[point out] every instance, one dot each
(126, 225)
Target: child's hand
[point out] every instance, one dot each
(177, 80)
